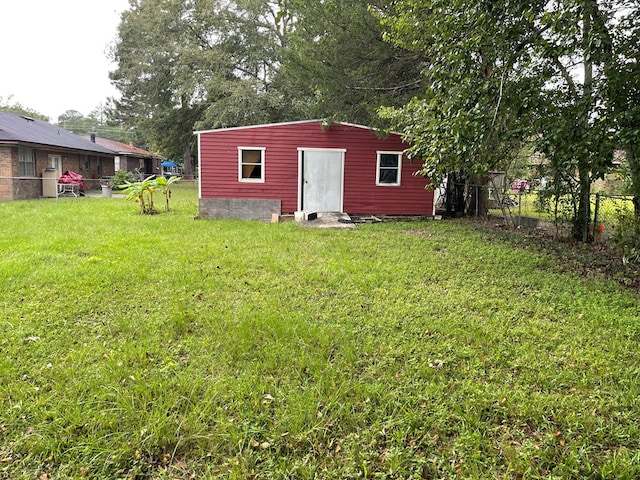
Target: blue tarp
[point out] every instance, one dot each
(169, 164)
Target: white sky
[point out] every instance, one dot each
(55, 53)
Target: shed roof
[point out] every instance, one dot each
(17, 129)
(297, 122)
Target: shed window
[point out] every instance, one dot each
(251, 164)
(26, 162)
(389, 165)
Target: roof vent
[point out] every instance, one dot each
(28, 118)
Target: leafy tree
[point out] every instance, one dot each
(98, 123)
(502, 72)
(185, 64)
(76, 122)
(624, 89)
(151, 77)
(250, 38)
(337, 65)
(473, 117)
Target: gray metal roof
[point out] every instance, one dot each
(16, 128)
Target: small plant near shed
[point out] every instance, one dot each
(144, 191)
(164, 185)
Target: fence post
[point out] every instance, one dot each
(596, 213)
(520, 207)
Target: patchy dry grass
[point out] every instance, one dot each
(164, 347)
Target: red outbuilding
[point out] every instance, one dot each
(253, 172)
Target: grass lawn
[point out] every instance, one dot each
(163, 347)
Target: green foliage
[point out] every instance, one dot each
(337, 65)
(473, 115)
(185, 65)
(245, 358)
(558, 202)
(625, 93)
(626, 236)
(77, 123)
(97, 122)
(142, 192)
(504, 73)
(164, 185)
(121, 178)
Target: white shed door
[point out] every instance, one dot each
(322, 180)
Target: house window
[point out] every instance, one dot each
(251, 164)
(26, 162)
(54, 162)
(99, 170)
(389, 166)
(87, 162)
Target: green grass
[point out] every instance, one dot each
(164, 347)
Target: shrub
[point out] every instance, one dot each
(121, 178)
(627, 236)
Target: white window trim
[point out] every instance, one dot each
(54, 161)
(26, 162)
(262, 158)
(385, 184)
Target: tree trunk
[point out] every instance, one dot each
(187, 162)
(583, 216)
(455, 195)
(634, 167)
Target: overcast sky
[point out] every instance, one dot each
(54, 53)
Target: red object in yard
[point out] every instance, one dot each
(520, 186)
(72, 178)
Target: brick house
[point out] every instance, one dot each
(30, 147)
(130, 158)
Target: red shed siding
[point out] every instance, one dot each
(219, 167)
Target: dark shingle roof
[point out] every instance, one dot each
(16, 128)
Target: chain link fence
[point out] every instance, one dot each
(528, 207)
(535, 209)
(610, 215)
